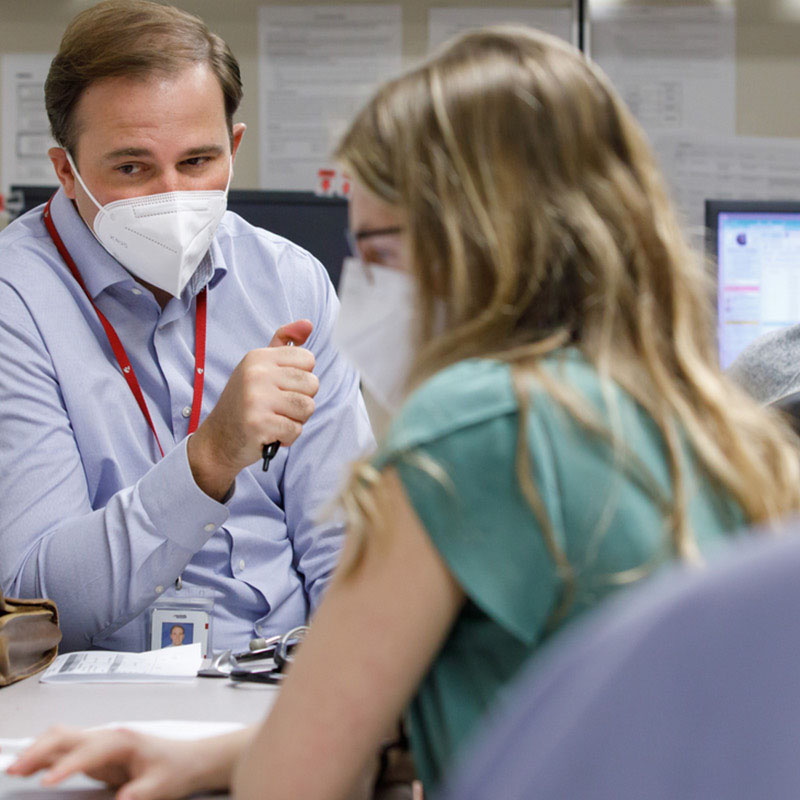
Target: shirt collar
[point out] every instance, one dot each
(100, 270)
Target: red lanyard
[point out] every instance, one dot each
(119, 350)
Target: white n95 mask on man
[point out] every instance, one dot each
(160, 238)
(375, 328)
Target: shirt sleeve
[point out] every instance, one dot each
(337, 434)
(462, 482)
(102, 567)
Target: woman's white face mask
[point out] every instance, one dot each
(160, 238)
(375, 328)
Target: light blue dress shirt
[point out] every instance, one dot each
(92, 516)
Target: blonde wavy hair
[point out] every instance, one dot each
(537, 214)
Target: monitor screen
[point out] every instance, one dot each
(315, 223)
(757, 250)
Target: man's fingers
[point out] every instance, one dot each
(287, 431)
(267, 399)
(295, 406)
(291, 357)
(295, 333)
(292, 379)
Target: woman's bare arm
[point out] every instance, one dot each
(371, 642)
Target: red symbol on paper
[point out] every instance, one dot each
(325, 181)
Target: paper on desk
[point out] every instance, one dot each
(170, 664)
(166, 728)
(177, 728)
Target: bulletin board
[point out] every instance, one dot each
(35, 28)
(766, 68)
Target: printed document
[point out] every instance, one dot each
(317, 65)
(170, 664)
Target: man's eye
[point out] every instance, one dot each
(196, 161)
(128, 169)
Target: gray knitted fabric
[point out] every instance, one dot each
(769, 368)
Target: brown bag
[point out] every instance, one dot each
(29, 637)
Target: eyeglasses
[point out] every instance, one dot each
(380, 246)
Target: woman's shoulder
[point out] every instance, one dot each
(477, 391)
(460, 396)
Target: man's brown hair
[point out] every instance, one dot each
(132, 38)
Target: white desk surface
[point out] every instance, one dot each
(28, 708)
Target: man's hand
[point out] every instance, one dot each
(268, 398)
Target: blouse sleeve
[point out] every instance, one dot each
(458, 469)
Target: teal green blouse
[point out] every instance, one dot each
(453, 446)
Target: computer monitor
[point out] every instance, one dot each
(24, 198)
(756, 248)
(315, 223)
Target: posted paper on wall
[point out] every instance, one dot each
(703, 167)
(675, 66)
(25, 132)
(444, 23)
(317, 65)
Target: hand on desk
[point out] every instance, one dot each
(268, 398)
(142, 767)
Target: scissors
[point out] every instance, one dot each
(281, 652)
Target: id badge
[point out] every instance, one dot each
(177, 621)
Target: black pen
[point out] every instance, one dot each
(269, 451)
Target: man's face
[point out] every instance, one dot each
(177, 634)
(141, 136)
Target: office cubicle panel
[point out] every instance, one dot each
(316, 223)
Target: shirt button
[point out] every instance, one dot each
(241, 564)
(136, 291)
(210, 527)
(187, 411)
(159, 589)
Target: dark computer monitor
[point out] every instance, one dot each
(24, 198)
(315, 223)
(756, 248)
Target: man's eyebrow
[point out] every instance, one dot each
(144, 152)
(204, 150)
(127, 152)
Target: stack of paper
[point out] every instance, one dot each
(168, 665)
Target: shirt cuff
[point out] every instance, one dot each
(177, 507)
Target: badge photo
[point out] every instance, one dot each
(173, 627)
